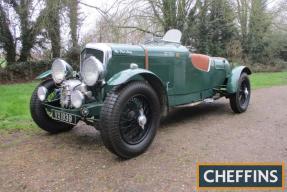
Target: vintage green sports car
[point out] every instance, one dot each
(128, 88)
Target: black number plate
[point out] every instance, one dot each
(64, 117)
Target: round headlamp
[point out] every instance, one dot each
(91, 71)
(77, 98)
(42, 92)
(61, 70)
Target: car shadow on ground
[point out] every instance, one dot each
(84, 136)
(190, 113)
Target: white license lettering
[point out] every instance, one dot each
(63, 116)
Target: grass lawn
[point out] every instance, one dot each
(260, 80)
(14, 106)
(15, 98)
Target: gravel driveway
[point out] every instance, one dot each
(78, 161)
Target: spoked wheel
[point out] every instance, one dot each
(240, 100)
(135, 120)
(129, 119)
(244, 93)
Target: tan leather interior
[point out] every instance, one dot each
(200, 61)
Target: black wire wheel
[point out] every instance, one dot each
(129, 119)
(240, 100)
(135, 119)
(41, 116)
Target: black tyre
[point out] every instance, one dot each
(130, 117)
(240, 100)
(40, 115)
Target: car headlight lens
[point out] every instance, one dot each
(61, 70)
(92, 70)
(42, 92)
(77, 99)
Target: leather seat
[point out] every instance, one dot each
(200, 62)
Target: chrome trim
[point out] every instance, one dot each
(71, 83)
(107, 50)
(142, 118)
(68, 70)
(42, 93)
(101, 70)
(81, 97)
(66, 90)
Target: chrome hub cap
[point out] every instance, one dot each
(142, 118)
(135, 119)
(246, 92)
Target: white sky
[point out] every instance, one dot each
(91, 15)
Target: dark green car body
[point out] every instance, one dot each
(170, 72)
(128, 88)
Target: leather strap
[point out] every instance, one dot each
(146, 63)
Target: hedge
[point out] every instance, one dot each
(23, 71)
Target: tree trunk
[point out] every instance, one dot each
(73, 8)
(27, 45)
(28, 30)
(55, 42)
(6, 37)
(53, 27)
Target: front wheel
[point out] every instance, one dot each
(129, 119)
(239, 101)
(40, 115)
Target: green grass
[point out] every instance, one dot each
(14, 106)
(260, 80)
(15, 98)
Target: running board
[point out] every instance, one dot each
(189, 104)
(207, 100)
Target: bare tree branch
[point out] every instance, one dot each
(102, 12)
(139, 29)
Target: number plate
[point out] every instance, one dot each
(64, 117)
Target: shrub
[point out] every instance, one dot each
(273, 65)
(23, 71)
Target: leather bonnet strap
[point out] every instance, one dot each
(146, 63)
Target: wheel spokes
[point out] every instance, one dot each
(243, 93)
(134, 119)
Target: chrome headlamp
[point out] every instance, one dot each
(92, 70)
(77, 98)
(42, 93)
(61, 70)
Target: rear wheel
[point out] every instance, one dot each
(41, 116)
(239, 101)
(129, 119)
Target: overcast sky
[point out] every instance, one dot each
(91, 15)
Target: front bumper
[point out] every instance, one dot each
(92, 116)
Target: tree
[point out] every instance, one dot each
(199, 28)
(259, 24)
(73, 16)
(175, 14)
(53, 26)
(255, 22)
(221, 28)
(6, 37)
(28, 28)
(242, 10)
(212, 27)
